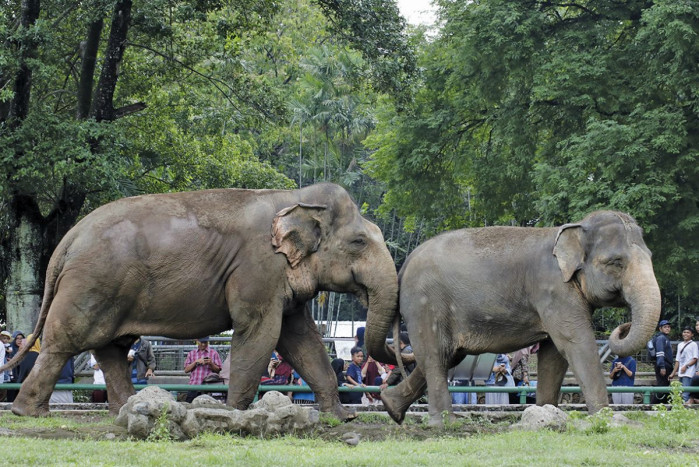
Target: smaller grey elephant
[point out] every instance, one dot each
(499, 289)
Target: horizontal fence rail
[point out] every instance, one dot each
(647, 391)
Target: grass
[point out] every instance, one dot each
(648, 444)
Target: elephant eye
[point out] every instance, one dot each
(615, 262)
(358, 242)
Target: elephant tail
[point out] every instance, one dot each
(49, 287)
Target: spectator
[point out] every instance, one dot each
(623, 373)
(686, 360)
(663, 360)
(67, 376)
(520, 369)
(142, 361)
(26, 365)
(371, 373)
(200, 363)
(98, 395)
(394, 377)
(694, 396)
(354, 375)
(5, 338)
(301, 397)
(279, 371)
(15, 344)
(500, 376)
(338, 366)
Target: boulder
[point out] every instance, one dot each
(543, 417)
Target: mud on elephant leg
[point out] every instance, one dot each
(301, 345)
(112, 359)
(551, 369)
(397, 399)
(33, 399)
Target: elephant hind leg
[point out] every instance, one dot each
(113, 362)
(551, 370)
(397, 399)
(33, 397)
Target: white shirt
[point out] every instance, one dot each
(99, 375)
(687, 351)
(2, 361)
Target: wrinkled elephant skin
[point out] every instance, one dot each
(499, 289)
(187, 265)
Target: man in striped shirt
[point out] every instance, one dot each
(200, 363)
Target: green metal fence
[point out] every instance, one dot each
(522, 391)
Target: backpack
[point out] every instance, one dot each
(650, 346)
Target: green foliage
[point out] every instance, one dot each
(536, 113)
(679, 419)
(329, 420)
(161, 427)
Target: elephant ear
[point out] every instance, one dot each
(296, 231)
(568, 250)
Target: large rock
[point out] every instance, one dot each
(274, 414)
(543, 417)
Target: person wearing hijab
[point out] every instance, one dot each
(15, 344)
(28, 362)
(338, 366)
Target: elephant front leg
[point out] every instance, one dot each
(254, 339)
(551, 369)
(397, 399)
(584, 361)
(301, 345)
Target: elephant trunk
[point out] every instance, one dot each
(383, 301)
(642, 294)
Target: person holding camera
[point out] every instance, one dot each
(500, 376)
(623, 373)
(141, 360)
(200, 363)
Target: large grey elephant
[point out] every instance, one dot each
(499, 289)
(186, 265)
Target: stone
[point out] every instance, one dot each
(274, 414)
(543, 417)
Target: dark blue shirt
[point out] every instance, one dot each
(622, 379)
(663, 351)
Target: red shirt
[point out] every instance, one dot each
(202, 371)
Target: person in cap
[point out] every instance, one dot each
(200, 363)
(686, 360)
(663, 359)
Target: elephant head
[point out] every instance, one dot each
(606, 257)
(330, 246)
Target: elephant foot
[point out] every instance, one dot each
(26, 410)
(441, 420)
(394, 404)
(343, 413)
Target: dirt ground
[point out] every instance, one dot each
(375, 427)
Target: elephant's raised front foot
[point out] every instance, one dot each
(394, 404)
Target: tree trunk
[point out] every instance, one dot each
(87, 70)
(103, 104)
(19, 108)
(26, 269)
